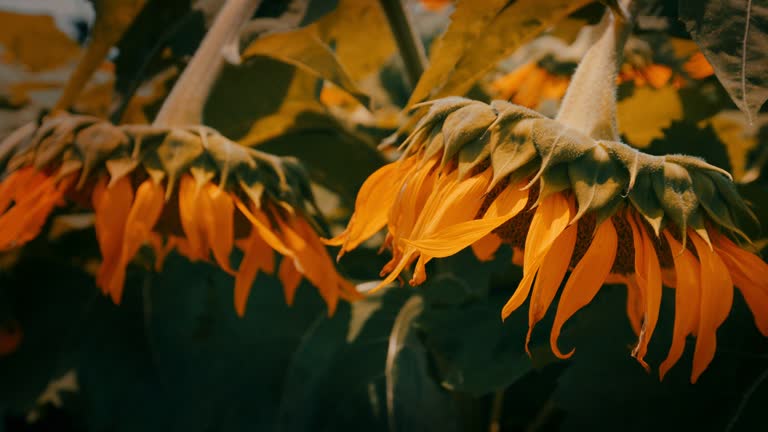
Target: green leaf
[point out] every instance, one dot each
(480, 34)
(733, 35)
(308, 369)
(397, 340)
(335, 156)
(304, 49)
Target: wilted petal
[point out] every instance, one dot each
(585, 280)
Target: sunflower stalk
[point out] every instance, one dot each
(589, 105)
(184, 105)
(112, 20)
(408, 42)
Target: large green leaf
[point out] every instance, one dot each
(482, 33)
(733, 34)
(304, 49)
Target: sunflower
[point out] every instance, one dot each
(229, 196)
(482, 175)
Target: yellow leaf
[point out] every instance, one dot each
(643, 115)
(482, 33)
(343, 28)
(35, 41)
(305, 50)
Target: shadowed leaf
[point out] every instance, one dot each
(733, 35)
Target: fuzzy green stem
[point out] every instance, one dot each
(112, 20)
(408, 41)
(589, 105)
(184, 105)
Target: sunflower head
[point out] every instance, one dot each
(481, 175)
(130, 173)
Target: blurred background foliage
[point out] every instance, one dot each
(322, 80)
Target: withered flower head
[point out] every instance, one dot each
(129, 173)
(481, 175)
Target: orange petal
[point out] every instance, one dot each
(687, 301)
(509, 84)
(376, 196)
(35, 195)
(716, 302)
(189, 193)
(311, 259)
(749, 274)
(141, 219)
(415, 191)
(698, 67)
(453, 238)
(261, 224)
(550, 276)
(635, 304)
(218, 218)
(485, 248)
(11, 335)
(585, 280)
(258, 256)
(657, 75)
(648, 277)
(549, 221)
(290, 278)
(111, 206)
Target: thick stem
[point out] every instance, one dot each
(112, 20)
(408, 41)
(184, 105)
(589, 105)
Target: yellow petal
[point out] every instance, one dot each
(585, 280)
(550, 276)
(376, 196)
(455, 237)
(716, 302)
(414, 192)
(261, 224)
(687, 301)
(549, 221)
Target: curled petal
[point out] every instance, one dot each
(585, 280)
(550, 219)
(716, 302)
(750, 275)
(687, 301)
(550, 276)
(648, 278)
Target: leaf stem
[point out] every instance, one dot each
(408, 41)
(112, 20)
(185, 103)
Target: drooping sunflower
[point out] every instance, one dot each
(229, 196)
(477, 175)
